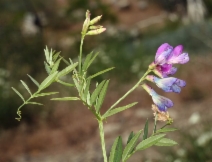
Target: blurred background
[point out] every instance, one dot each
(67, 131)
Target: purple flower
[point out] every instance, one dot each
(165, 57)
(161, 102)
(167, 84)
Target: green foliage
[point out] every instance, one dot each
(166, 142)
(149, 142)
(131, 145)
(119, 109)
(145, 135)
(116, 151)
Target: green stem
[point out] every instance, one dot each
(80, 57)
(101, 131)
(131, 90)
(25, 102)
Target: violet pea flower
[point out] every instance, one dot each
(170, 84)
(161, 102)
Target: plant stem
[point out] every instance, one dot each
(101, 131)
(131, 90)
(80, 57)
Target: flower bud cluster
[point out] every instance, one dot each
(162, 66)
(89, 27)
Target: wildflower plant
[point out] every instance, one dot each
(162, 66)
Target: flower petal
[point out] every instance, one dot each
(180, 59)
(163, 53)
(180, 83)
(175, 88)
(177, 50)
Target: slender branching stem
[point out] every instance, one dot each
(101, 131)
(131, 90)
(80, 56)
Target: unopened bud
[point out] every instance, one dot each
(95, 20)
(86, 22)
(96, 31)
(95, 27)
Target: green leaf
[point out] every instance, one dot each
(101, 96)
(88, 98)
(116, 151)
(46, 51)
(48, 81)
(48, 70)
(131, 145)
(26, 87)
(163, 130)
(65, 61)
(33, 80)
(101, 72)
(56, 56)
(18, 94)
(34, 103)
(56, 65)
(87, 59)
(65, 84)
(130, 137)
(45, 94)
(66, 98)
(149, 142)
(67, 70)
(117, 110)
(50, 57)
(90, 62)
(96, 92)
(145, 135)
(166, 142)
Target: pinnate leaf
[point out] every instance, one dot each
(116, 151)
(96, 92)
(149, 142)
(102, 96)
(101, 72)
(45, 94)
(48, 81)
(67, 70)
(166, 142)
(26, 87)
(33, 80)
(130, 137)
(18, 93)
(56, 65)
(131, 145)
(119, 109)
(87, 59)
(163, 130)
(93, 58)
(146, 127)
